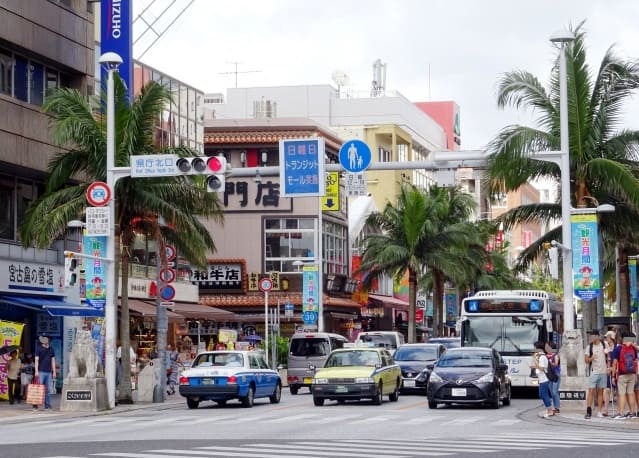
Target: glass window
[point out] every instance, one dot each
(6, 208)
(6, 72)
(310, 347)
(21, 90)
(36, 83)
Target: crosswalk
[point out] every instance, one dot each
(319, 418)
(387, 448)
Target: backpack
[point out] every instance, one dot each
(628, 360)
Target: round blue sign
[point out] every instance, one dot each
(167, 292)
(355, 156)
(309, 317)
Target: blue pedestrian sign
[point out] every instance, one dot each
(355, 156)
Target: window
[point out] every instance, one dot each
(21, 90)
(383, 155)
(15, 198)
(6, 72)
(36, 83)
(286, 241)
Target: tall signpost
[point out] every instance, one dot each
(302, 175)
(265, 286)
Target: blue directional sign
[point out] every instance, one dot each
(302, 167)
(309, 317)
(355, 156)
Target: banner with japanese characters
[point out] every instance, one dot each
(95, 270)
(10, 336)
(585, 255)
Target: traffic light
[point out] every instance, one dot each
(213, 166)
(70, 270)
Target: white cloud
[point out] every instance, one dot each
(467, 44)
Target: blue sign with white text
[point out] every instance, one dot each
(116, 35)
(355, 156)
(309, 317)
(302, 167)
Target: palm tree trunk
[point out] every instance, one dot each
(412, 301)
(125, 395)
(438, 301)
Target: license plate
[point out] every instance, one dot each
(208, 381)
(458, 392)
(409, 383)
(308, 380)
(341, 389)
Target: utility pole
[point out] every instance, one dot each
(237, 71)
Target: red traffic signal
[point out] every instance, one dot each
(201, 165)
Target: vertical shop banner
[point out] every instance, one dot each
(10, 334)
(310, 294)
(451, 301)
(585, 255)
(116, 35)
(634, 294)
(95, 271)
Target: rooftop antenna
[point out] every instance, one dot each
(341, 79)
(236, 71)
(378, 86)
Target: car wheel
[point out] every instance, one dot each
(494, 404)
(247, 401)
(277, 394)
(377, 399)
(192, 403)
(394, 396)
(506, 400)
(221, 403)
(293, 389)
(319, 402)
(432, 405)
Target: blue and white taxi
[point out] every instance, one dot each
(223, 375)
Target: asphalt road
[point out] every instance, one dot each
(296, 428)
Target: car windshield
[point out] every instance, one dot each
(353, 358)
(379, 340)
(416, 354)
(508, 335)
(219, 359)
(465, 359)
(309, 346)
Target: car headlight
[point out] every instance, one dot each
(320, 381)
(364, 380)
(423, 375)
(435, 378)
(486, 378)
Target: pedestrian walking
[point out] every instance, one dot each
(172, 369)
(26, 376)
(13, 377)
(45, 368)
(625, 366)
(540, 364)
(595, 358)
(554, 365)
(610, 343)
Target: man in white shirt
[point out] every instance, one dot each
(595, 358)
(132, 360)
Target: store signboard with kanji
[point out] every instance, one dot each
(97, 221)
(222, 277)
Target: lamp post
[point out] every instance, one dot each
(563, 38)
(112, 61)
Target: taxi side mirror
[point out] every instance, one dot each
(312, 367)
(430, 367)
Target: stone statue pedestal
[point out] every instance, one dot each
(148, 379)
(572, 392)
(80, 394)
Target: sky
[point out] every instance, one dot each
(434, 49)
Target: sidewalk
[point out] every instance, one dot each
(11, 413)
(572, 416)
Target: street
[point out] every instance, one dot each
(297, 428)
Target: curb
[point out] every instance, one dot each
(576, 418)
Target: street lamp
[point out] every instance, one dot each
(563, 38)
(111, 61)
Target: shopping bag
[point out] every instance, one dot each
(36, 392)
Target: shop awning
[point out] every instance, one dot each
(52, 305)
(389, 300)
(195, 311)
(150, 310)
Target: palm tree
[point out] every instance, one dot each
(420, 231)
(76, 122)
(603, 158)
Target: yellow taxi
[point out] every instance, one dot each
(356, 373)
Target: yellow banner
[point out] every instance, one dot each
(10, 334)
(330, 202)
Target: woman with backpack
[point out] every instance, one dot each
(624, 359)
(540, 364)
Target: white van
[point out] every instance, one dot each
(309, 349)
(386, 339)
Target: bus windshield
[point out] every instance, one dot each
(510, 335)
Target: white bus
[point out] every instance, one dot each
(511, 322)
